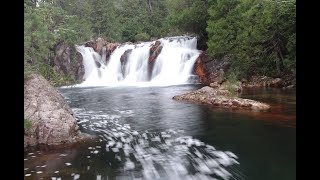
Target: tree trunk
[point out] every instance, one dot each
(150, 7)
(279, 62)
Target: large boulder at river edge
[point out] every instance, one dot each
(51, 117)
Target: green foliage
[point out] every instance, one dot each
(27, 124)
(232, 82)
(187, 17)
(45, 27)
(142, 37)
(258, 35)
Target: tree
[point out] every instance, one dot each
(258, 35)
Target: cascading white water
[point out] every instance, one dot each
(173, 65)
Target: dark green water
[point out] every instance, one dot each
(264, 143)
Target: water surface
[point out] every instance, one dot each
(144, 134)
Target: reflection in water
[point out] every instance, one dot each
(143, 134)
(140, 135)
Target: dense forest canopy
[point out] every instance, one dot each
(258, 35)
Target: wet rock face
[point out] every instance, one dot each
(154, 52)
(96, 44)
(211, 70)
(51, 117)
(219, 97)
(124, 59)
(99, 43)
(110, 47)
(63, 64)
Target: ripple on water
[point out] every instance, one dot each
(167, 154)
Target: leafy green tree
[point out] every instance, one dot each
(258, 35)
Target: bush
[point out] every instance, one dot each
(232, 82)
(142, 37)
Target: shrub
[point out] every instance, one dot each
(232, 82)
(142, 37)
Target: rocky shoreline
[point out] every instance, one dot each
(50, 117)
(212, 70)
(221, 98)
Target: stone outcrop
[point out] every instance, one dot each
(124, 59)
(99, 44)
(110, 47)
(211, 70)
(63, 64)
(52, 121)
(221, 98)
(155, 50)
(264, 81)
(96, 44)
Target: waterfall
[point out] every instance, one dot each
(173, 66)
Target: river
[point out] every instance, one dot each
(143, 134)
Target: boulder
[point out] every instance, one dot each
(110, 47)
(214, 85)
(52, 121)
(211, 70)
(63, 64)
(124, 59)
(96, 44)
(277, 82)
(100, 42)
(155, 50)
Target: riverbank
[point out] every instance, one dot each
(47, 116)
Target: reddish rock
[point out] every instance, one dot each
(110, 47)
(211, 70)
(100, 42)
(97, 44)
(154, 52)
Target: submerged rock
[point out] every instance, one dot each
(220, 97)
(51, 118)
